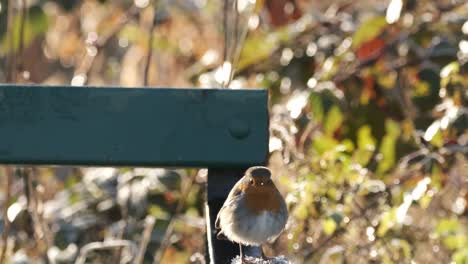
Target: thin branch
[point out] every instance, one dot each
(149, 55)
(235, 48)
(170, 228)
(9, 179)
(40, 229)
(24, 15)
(124, 209)
(229, 40)
(86, 64)
(26, 180)
(309, 129)
(225, 29)
(149, 225)
(10, 60)
(239, 40)
(236, 20)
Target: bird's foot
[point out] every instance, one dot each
(244, 260)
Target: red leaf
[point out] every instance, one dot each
(370, 49)
(283, 12)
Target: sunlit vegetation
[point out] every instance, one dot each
(368, 129)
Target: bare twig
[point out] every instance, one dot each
(170, 228)
(236, 31)
(309, 129)
(236, 46)
(404, 161)
(149, 55)
(239, 48)
(239, 40)
(10, 60)
(32, 206)
(229, 40)
(225, 29)
(86, 64)
(124, 209)
(149, 225)
(9, 179)
(24, 14)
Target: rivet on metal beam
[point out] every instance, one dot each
(239, 128)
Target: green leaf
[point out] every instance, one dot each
(387, 221)
(388, 81)
(333, 121)
(461, 256)
(257, 48)
(365, 138)
(450, 69)
(323, 144)
(406, 247)
(455, 241)
(329, 226)
(421, 88)
(438, 139)
(366, 145)
(397, 246)
(71, 181)
(333, 193)
(436, 176)
(387, 148)
(316, 107)
(36, 24)
(368, 30)
(447, 226)
(347, 145)
(425, 200)
(301, 211)
(158, 212)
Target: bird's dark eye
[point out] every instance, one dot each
(251, 181)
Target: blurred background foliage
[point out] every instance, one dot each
(368, 125)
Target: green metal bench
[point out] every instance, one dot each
(225, 131)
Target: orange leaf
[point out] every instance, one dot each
(283, 12)
(370, 49)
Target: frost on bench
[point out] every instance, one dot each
(256, 260)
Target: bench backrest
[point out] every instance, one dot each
(225, 131)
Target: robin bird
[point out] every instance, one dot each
(254, 211)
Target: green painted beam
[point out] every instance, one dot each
(59, 125)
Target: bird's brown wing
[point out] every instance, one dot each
(221, 236)
(235, 191)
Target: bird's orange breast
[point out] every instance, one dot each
(260, 199)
